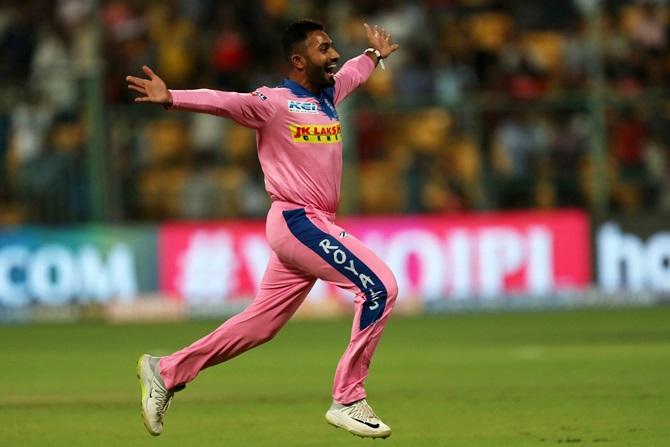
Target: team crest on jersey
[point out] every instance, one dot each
(259, 95)
(314, 133)
(302, 107)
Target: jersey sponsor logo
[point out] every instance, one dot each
(259, 95)
(302, 107)
(312, 133)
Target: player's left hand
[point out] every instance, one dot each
(380, 40)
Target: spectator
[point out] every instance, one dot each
(53, 182)
(17, 40)
(52, 71)
(520, 143)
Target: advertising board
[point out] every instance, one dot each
(633, 255)
(462, 257)
(52, 267)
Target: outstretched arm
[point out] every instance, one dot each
(357, 70)
(248, 109)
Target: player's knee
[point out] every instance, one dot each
(259, 333)
(265, 335)
(391, 286)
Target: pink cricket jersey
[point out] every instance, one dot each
(298, 132)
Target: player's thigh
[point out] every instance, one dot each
(283, 281)
(328, 252)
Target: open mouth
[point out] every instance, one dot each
(331, 69)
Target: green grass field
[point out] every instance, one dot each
(598, 378)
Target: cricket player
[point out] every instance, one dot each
(299, 140)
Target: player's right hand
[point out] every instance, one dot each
(151, 90)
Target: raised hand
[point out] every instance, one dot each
(152, 90)
(380, 40)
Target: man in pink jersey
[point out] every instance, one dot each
(299, 141)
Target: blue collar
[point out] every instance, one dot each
(299, 90)
(326, 97)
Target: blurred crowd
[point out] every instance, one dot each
(488, 105)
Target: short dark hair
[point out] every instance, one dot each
(297, 32)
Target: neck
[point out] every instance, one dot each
(301, 79)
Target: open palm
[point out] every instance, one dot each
(380, 40)
(151, 90)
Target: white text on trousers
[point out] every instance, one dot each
(340, 257)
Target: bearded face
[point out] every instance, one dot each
(321, 75)
(320, 60)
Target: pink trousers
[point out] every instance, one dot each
(306, 246)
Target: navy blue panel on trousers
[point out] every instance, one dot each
(343, 260)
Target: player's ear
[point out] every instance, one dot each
(298, 61)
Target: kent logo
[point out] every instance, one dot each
(302, 107)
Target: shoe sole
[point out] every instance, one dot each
(144, 395)
(332, 421)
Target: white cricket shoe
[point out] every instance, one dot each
(357, 418)
(155, 397)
